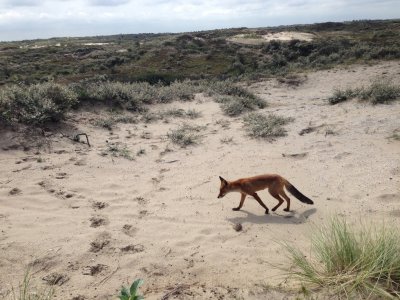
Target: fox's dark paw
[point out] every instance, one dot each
(236, 208)
(266, 211)
(286, 209)
(274, 209)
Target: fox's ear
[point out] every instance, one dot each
(222, 180)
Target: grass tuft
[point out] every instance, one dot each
(27, 291)
(118, 150)
(352, 262)
(260, 126)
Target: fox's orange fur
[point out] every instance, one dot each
(250, 185)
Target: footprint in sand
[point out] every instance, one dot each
(102, 240)
(55, 279)
(133, 248)
(389, 197)
(61, 175)
(80, 162)
(129, 230)
(14, 191)
(94, 270)
(46, 185)
(98, 221)
(99, 205)
(141, 200)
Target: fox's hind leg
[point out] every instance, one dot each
(277, 197)
(241, 202)
(283, 194)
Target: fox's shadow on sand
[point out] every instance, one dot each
(288, 218)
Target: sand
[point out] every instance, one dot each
(277, 36)
(95, 222)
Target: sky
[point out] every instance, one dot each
(32, 19)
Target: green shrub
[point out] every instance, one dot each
(35, 104)
(349, 261)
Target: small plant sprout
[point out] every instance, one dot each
(131, 294)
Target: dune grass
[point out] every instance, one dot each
(26, 290)
(353, 263)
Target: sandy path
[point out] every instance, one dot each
(101, 222)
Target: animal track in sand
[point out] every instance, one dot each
(14, 191)
(61, 175)
(55, 279)
(101, 241)
(47, 186)
(94, 270)
(133, 248)
(98, 221)
(141, 200)
(129, 230)
(389, 197)
(23, 169)
(99, 205)
(143, 213)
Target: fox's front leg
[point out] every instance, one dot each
(241, 202)
(261, 203)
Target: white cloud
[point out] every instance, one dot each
(45, 18)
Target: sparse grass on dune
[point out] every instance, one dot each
(354, 263)
(380, 91)
(185, 135)
(26, 290)
(258, 125)
(118, 150)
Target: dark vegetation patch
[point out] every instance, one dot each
(42, 103)
(165, 58)
(42, 80)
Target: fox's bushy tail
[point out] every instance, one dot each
(295, 192)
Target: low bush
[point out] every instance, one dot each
(235, 105)
(35, 104)
(185, 135)
(261, 126)
(378, 92)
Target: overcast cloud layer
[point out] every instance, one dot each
(31, 19)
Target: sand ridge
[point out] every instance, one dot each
(95, 222)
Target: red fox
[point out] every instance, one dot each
(250, 185)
